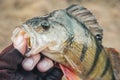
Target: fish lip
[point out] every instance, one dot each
(31, 39)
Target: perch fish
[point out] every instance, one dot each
(72, 37)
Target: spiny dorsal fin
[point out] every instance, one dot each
(85, 16)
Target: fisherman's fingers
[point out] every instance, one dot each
(30, 62)
(20, 43)
(45, 64)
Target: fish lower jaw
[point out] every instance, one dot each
(45, 49)
(36, 46)
(34, 51)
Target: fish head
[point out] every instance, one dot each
(53, 32)
(48, 33)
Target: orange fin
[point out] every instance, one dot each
(114, 56)
(69, 73)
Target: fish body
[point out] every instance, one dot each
(67, 40)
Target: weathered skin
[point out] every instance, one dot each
(68, 41)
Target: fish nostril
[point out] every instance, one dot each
(45, 25)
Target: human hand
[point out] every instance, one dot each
(20, 43)
(10, 60)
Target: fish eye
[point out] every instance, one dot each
(99, 37)
(45, 25)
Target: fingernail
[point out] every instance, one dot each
(28, 63)
(45, 65)
(19, 40)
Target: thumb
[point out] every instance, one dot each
(20, 44)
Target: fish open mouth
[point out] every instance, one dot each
(34, 44)
(29, 44)
(21, 32)
(27, 37)
(28, 40)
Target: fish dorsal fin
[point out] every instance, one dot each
(85, 16)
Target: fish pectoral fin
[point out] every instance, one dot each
(69, 73)
(74, 62)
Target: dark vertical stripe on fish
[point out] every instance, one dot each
(98, 51)
(106, 67)
(113, 77)
(84, 49)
